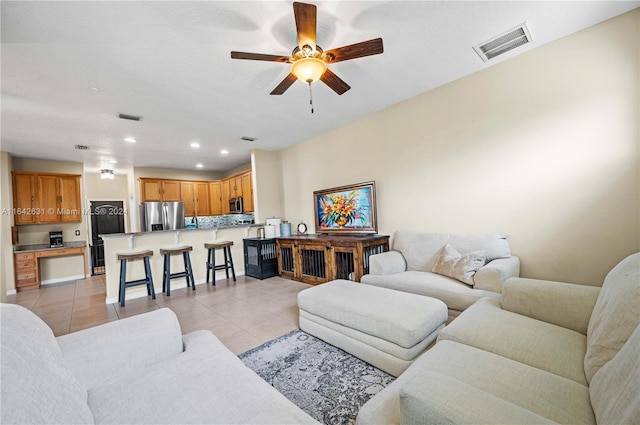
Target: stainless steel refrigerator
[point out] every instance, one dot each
(161, 216)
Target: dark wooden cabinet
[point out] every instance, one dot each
(316, 259)
(260, 258)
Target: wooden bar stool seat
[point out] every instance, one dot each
(186, 273)
(148, 279)
(211, 259)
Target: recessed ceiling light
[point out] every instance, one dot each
(195, 145)
(130, 140)
(224, 152)
(199, 165)
(113, 161)
(94, 89)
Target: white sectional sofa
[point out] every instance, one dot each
(132, 371)
(408, 267)
(548, 352)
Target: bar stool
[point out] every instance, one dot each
(211, 257)
(148, 279)
(187, 273)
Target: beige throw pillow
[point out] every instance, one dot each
(458, 266)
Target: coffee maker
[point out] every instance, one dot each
(55, 239)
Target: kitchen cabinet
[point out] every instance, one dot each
(24, 198)
(26, 269)
(159, 190)
(195, 196)
(215, 195)
(226, 195)
(48, 198)
(247, 192)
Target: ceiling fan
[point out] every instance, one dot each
(308, 60)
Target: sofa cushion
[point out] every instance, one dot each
(421, 249)
(615, 315)
(32, 365)
(456, 295)
(485, 325)
(462, 267)
(205, 384)
(498, 380)
(615, 388)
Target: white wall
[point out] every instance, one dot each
(543, 147)
(267, 185)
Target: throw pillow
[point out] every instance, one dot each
(458, 266)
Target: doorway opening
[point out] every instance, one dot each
(106, 217)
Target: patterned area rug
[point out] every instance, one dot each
(329, 384)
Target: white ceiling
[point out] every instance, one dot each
(170, 62)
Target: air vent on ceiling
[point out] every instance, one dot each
(82, 147)
(129, 117)
(504, 42)
(249, 139)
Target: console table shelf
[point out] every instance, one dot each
(317, 259)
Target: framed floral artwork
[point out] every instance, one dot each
(346, 209)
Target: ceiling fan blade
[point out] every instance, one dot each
(353, 51)
(305, 15)
(335, 82)
(285, 84)
(259, 57)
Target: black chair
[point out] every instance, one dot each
(211, 260)
(187, 273)
(148, 279)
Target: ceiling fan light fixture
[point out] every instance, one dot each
(308, 70)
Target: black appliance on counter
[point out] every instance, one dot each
(106, 217)
(55, 239)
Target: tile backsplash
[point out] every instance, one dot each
(219, 221)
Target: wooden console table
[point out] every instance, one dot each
(317, 259)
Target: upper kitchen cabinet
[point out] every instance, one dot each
(159, 190)
(215, 195)
(24, 198)
(195, 196)
(247, 192)
(46, 198)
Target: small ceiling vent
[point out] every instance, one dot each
(82, 147)
(504, 42)
(129, 117)
(249, 139)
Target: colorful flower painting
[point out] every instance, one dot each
(346, 209)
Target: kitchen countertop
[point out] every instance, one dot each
(46, 247)
(234, 226)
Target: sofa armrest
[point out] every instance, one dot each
(564, 304)
(122, 347)
(389, 262)
(435, 398)
(492, 275)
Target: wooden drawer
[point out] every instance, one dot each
(22, 256)
(25, 264)
(25, 275)
(60, 252)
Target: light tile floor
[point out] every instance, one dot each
(242, 314)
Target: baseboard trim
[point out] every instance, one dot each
(62, 279)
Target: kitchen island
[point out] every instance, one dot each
(129, 242)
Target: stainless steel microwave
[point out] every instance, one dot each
(236, 205)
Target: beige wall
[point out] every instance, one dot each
(267, 184)
(238, 170)
(543, 147)
(167, 173)
(6, 221)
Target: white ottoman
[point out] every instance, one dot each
(386, 328)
